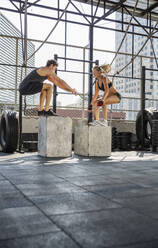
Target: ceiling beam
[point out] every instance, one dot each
(14, 4)
(112, 10)
(29, 5)
(150, 8)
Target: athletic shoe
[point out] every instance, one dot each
(50, 113)
(104, 123)
(41, 113)
(95, 123)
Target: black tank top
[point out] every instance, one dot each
(102, 86)
(34, 77)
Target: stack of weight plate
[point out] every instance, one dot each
(114, 138)
(124, 141)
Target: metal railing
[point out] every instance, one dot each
(83, 72)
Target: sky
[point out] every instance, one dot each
(39, 28)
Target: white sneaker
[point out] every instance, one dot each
(104, 123)
(95, 123)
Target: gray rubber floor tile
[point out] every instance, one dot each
(47, 240)
(114, 227)
(72, 203)
(146, 181)
(147, 205)
(43, 179)
(10, 171)
(2, 178)
(12, 200)
(53, 188)
(89, 180)
(16, 172)
(18, 222)
(73, 171)
(6, 188)
(152, 244)
(117, 190)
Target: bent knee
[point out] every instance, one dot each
(47, 86)
(104, 105)
(96, 105)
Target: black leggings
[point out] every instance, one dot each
(118, 95)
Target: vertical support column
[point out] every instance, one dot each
(83, 88)
(16, 74)
(55, 89)
(58, 8)
(122, 19)
(65, 39)
(20, 122)
(143, 105)
(147, 19)
(24, 64)
(90, 88)
(132, 50)
(104, 9)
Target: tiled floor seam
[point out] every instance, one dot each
(86, 211)
(29, 236)
(114, 201)
(82, 187)
(47, 216)
(132, 244)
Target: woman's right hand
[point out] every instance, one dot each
(92, 102)
(90, 108)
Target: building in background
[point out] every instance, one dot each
(132, 87)
(11, 54)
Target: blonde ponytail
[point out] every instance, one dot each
(105, 69)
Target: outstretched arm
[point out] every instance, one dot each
(95, 95)
(61, 83)
(106, 87)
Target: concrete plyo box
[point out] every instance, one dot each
(92, 140)
(55, 136)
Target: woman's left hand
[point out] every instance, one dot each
(99, 99)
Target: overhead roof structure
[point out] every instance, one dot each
(147, 9)
(144, 6)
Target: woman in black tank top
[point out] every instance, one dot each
(110, 95)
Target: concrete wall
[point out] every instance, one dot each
(124, 126)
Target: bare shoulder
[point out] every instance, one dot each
(43, 71)
(53, 77)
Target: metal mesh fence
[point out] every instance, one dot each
(128, 83)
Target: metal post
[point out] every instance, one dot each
(65, 38)
(20, 122)
(58, 8)
(104, 9)
(16, 74)
(132, 51)
(147, 19)
(143, 106)
(122, 19)
(55, 89)
(83, 91)
(20, 96)
(90, 86)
